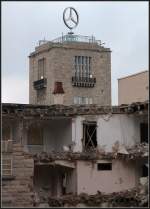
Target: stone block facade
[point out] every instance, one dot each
(60, 68)
(17, 190)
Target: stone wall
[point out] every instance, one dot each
(60, 67)
(18, 190)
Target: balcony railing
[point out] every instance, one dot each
(83, 81)
(40, 84)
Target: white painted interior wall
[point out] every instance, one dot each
(57, 133)
(119, 127)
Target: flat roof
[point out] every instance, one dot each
(145, 71)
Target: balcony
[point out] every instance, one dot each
(40, 84)
(83, 81)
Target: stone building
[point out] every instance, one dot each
(52, 151)
(133, 88)
(80, 65)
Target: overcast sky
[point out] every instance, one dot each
(123, 26)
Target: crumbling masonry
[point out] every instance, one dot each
(74, 155)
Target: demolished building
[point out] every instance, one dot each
(54, 152)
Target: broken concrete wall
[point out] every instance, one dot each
(56, 133)
(77, 133)
(122, 128)
(63, 133)
(17, 190)
(124, 175)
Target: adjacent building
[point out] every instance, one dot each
(71, 69)
(133, 88)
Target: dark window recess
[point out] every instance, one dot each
(144, 132)
(35, 135)
(89, 135)
(104, 166)
(6, 132)
(144, 171)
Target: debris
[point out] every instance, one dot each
(128, 198)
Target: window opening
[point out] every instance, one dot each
(104, 166)
(89, 135)
(82, 65)
(41, 68)
(144, 132)
(35, 136)
(144, 170)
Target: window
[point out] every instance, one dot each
(144, 132)
(6, 132)
(104, 166)
(41, 95)
(41, 68)
(83, 100)
(145, 170)
(6, 166)
(35, 135)
(82, 66)
(89, 134)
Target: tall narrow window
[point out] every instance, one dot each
(82, 65)
(41, 68)
(89, 134)
(144, 132)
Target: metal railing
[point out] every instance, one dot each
(83, 81)
(40, 84)
(76, 38)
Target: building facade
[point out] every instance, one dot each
(133, 88)
(52, 151)
(81, 65)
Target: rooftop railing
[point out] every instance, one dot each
(76, 38)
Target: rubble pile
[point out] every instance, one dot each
(136, 197)
(70, 156)
(129, 198)
(135, 152)
(138, 151)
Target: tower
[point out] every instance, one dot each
(80, 63)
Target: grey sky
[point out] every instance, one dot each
(123, 26)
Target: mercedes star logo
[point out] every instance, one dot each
(70, 17)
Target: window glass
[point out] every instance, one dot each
(75, 100)
(82, 66)
(90, 100)
(41, 68)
